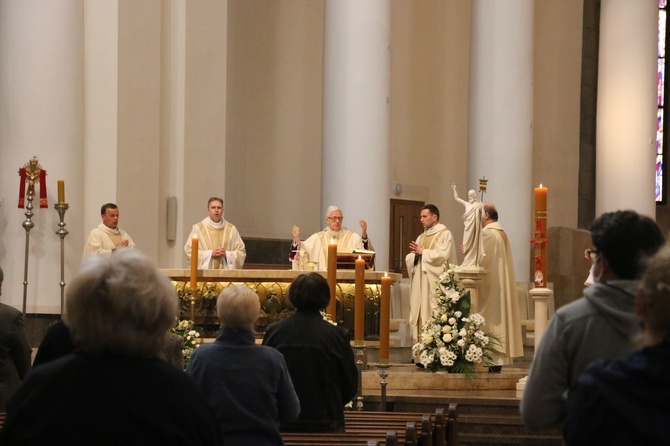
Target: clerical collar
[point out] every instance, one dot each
(215, 224)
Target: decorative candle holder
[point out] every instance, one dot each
(383, 373)
(191, 295)
(61, 208)
(359, 353)
(28, 224)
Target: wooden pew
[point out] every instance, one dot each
(408, 428)
(438, 429)
(390, 438)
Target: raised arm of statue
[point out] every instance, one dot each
(457, 198)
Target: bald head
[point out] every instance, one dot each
(490, 214)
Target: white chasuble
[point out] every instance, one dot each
(498, 301)
(424, 272)
(217, 234)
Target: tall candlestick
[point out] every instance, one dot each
(332, 280)
(384, 320)
(194, 264)
(61, 191)
(359, 300)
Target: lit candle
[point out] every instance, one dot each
(61, 191)
(384, 320)
(540, 199)
(332, 280)
(359, 301)
(194, 264)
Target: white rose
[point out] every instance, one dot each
(447, 337)
(463, 333)
(458, 314)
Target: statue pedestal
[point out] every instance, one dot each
(540, 297)
(471, 278)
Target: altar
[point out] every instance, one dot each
(272, 287)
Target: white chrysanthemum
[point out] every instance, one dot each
(461, 342)
(463, 333)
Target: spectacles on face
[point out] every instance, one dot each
(593, 254)
(336, 218)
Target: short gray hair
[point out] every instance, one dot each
(121, 304)
(238, 307)
(332, 209)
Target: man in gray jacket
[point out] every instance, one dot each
(600, 325)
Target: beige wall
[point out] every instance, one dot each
(557, 74)
(273, 160)
(429, 102)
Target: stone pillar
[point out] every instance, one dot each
(501, 116)
(356, 117)
(42, 91)
(626, 117)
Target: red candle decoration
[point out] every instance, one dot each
(540, 237)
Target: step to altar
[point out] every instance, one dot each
(408, 377)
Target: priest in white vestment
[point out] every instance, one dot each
(498, 301)
(107, 237)
(316, 246)
(219, 244)
(425, 262)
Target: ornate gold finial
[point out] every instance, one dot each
(482, 186)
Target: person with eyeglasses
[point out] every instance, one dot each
(316, 245)
(600, 325)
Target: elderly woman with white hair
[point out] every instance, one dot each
(113, 389)
(627, 401)
(248, 385)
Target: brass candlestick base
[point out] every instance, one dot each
(383, 373)
(61, 208)
(359, 352)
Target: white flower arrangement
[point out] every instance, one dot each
(190, 334)
(453, 338)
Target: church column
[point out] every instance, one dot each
(42, 106)
(500, 132)
(626, 109)
(356, 116)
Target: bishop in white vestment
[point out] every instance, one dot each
(316, 245)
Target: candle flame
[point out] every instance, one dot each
(195, 237)
(540, 185)
(359, 258)
(386, 274)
